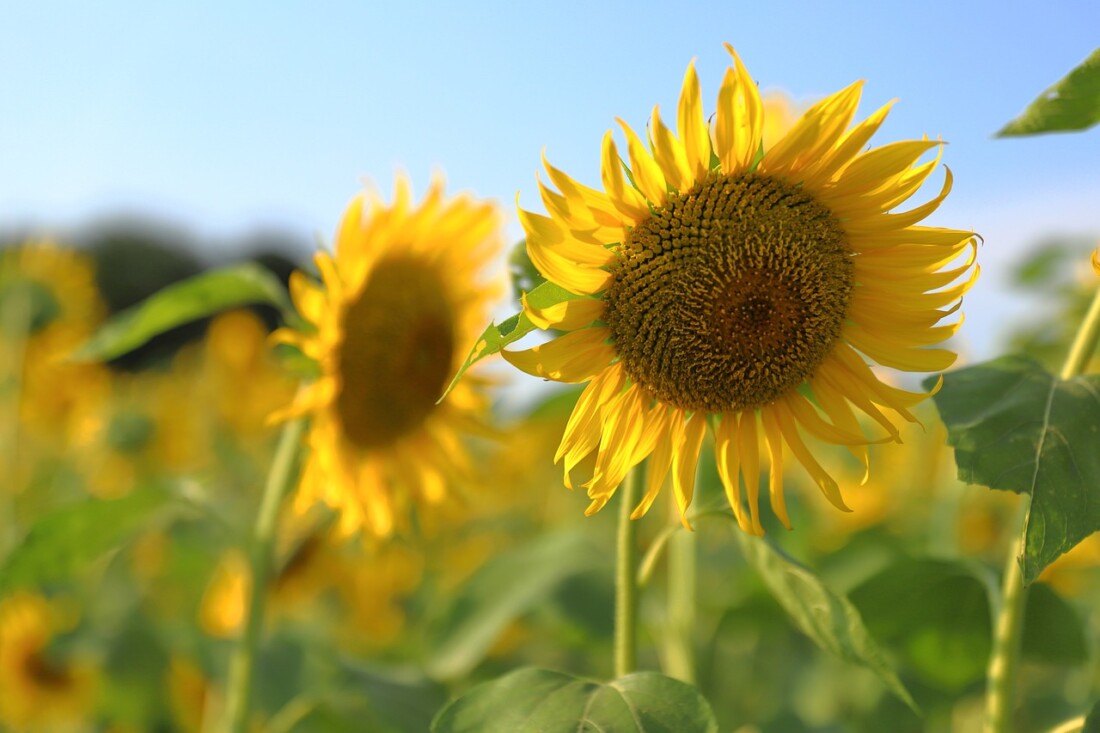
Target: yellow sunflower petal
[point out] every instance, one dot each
(727, 459)
(574, 357)
(647, 174)
(820, 476)
(774, 438)
(668, 438)
(692, 126)
(569, 315)
(749, 448)
(669, 153)
(624, 197)
(738, 123)
(684, 462)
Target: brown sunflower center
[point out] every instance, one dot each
(396, 353)
(730, 294)
(46, 673)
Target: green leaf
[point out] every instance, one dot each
(197, 297)
(1092, 722)
(503, 589)
(62, 545)
(1073, 103)
(552, 702)
(935, 613)
(1016, 427)
(1054, 632)
(830, 620)
(496, 336)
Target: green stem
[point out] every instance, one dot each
(1004, 661)
(626, 579)
(1084, 345)
(1005, 658)
(679, 644)
(279, 481)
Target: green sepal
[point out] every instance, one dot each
(498, 335)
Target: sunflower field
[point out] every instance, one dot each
(700, 453)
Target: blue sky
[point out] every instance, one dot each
(226, 117)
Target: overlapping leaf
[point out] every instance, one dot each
(552, 702)
(1016, 427)
(830, 620)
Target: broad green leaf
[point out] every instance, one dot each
(830, 620)
(1054, 632)
(1016, 427)
(496, 336)
(1073, 103)
(401, 701)
(935, 614)
(504, 588)
(197, 297)
(552, 702)
(62, 545)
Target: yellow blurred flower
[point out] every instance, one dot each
(399, 307)
(37, 690)
(224, 604)
(715, 289)
(242, 382)
(49, 306)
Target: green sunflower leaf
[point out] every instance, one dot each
(498, 335)
(533, 699)
(934, 614)
(507, 586)
(1073, 103)
(1016, 427)
(197, 297)
(830, 620)
(60, 546)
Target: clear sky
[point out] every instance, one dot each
(230, 116)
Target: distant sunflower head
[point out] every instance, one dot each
(400, 302)
(721, 281)
(40, 690)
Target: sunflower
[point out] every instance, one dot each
(398, 306)
(717, 283)
(38, 690)
(49, 305)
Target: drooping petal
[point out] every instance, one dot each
(575, 357)
(684, 462)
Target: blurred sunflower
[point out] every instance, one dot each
(719, 283)
(39, 692)
(49, 305)
(398, 307)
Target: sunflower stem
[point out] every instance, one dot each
(279, 480)
(680, 624)
(1004, 661)
(626, 579)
